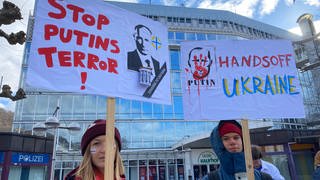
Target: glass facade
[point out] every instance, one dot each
(144, 125)
(27, 173)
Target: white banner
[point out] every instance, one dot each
(240, 79)
(92, 47)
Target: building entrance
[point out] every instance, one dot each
(199, 171)
(155, 169)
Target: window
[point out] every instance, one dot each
(175, 59)
(179, 36)
(155, 18)
(170, 35)
(175, 82)
(123, 109)
(201, 36)
(168, 112)
(178, 107)
(147, 110)
(225, 24)
(136, 109)
(211, 36)
(190, 36)
(175, 19)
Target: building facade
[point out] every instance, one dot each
(154, 136)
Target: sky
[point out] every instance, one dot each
(279, 13)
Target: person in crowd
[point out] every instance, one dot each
(264, 166)
(93, 144)
(226, 141)
(316, 173)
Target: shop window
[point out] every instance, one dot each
(179, 161)
(172, 171)
(153, 172)
(180, 172)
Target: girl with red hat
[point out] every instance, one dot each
(93, 152)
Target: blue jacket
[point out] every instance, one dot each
(230, 163)
(316, 174)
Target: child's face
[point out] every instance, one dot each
(232, 142)
(97, 150)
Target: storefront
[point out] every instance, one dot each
(203, 161)
(25, 157)
(173, 164)
(154, 165)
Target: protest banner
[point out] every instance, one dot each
(92, 47)
(240, 79)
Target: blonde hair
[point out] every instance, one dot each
(118, 165)
(86, 172)
(317, 160)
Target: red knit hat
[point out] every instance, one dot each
(229, 127)
(97, 128)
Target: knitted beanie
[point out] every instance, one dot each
(228, 127)
(97, 128)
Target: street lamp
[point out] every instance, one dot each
(52, 122)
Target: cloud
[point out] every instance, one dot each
(268, 6)
(246, 7)
(289, 2)
(2, 106)
(242, 7)
(7, 104)
(296, 30)
(190, 3)
(313, 3)
(169, 2)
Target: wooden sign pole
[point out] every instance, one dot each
(247, 149)
(110, 144)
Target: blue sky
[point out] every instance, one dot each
(279, 13)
